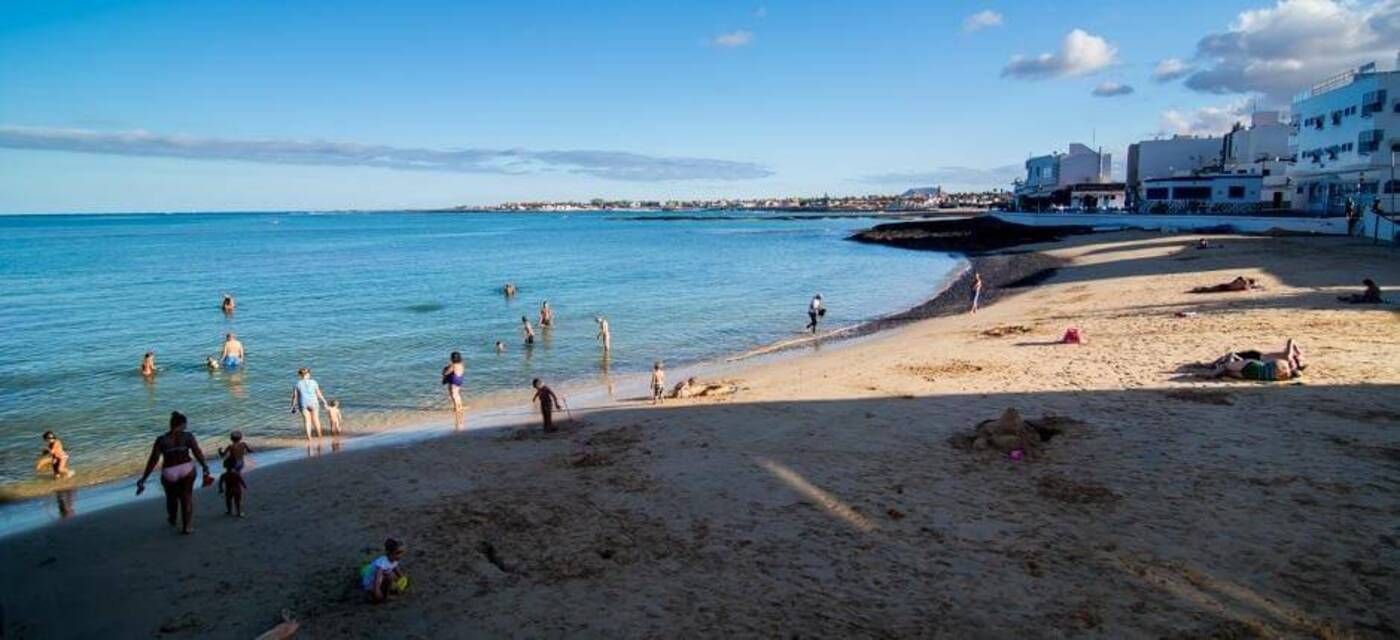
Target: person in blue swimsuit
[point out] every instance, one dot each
(307, 400)
(452, 377)
(232, 355)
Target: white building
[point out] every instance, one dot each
(1049, 178)
(1178, 155)
(1222, 193)
(1347, 136)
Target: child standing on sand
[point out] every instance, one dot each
(231, 485)
(548, 403)
(658, 382)
(236, 451)
(54, 457)
(382, 576)
(333, 412)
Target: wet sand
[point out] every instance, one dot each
(824, 498)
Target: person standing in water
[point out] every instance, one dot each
(527, 331)
(546, 315)
(509, 290)
(815, 310)
(549, 402)
(228, 305)
(148, 365)
(232, 354)
(176, 450)
(307, 400)
(976, 290)
(452, 377)
(605, 334)
(54, 457)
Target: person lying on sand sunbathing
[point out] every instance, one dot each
(1371, 295)
(1234, 366)
(1291, 352)
(1240, 283)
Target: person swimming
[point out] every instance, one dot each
(148, 364)
(546, 315)
(509, 290)
(232, 354)
(527, 331)
(228, 304)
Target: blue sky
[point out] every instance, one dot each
(175, 106)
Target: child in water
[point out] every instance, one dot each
(333, 410)
(54, 457)
(382, 576)
(658, 382)
(231, 485)
(236, 451)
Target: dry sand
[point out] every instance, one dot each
(824, 499)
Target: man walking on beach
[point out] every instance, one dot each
(815, 310)
(548, 403)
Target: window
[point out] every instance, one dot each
(1392, 186)
(1191, 193)
(1236, 192)
(1372, 102)
(1369, 141)
(1156, 193)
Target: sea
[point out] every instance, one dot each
(373, 303)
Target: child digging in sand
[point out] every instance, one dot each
(54, 457)
(231, 485)
(333, 411)
(382, 577)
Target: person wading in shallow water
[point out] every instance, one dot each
(815, 310)
(177, 452)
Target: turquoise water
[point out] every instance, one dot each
(373, 303)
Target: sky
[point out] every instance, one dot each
(110, 106)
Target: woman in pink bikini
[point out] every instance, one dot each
(177, 452)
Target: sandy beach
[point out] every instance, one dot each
(824, 497)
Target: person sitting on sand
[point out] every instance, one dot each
(228, 305)
(54, 457)
(236, 451)
(549, 402)
(1234, 366)
(148, 365)
(231, 484)
(658, 382)
(1240, 283)
(546, 315)
(1371, 294)
(382, 577)
(527, 332)
(232, 354)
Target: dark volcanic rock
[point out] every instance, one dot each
(965, 235)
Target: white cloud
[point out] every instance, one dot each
(735, 39)
(1109, 89)
(1081, 53)
(985, 19)
(612, 165)
(1205, 121)
(1171, 69)
(1280, 50)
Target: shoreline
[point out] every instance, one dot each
(24, 512)
(824, 497)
